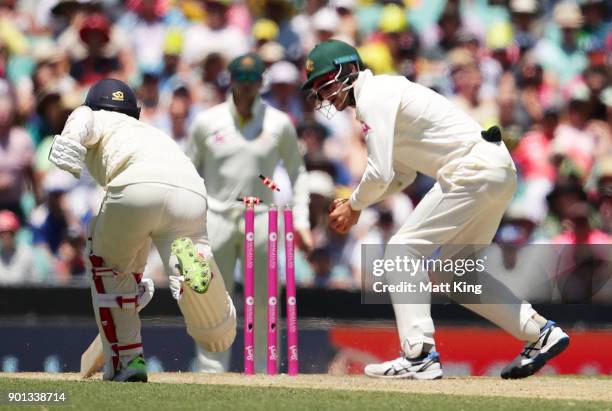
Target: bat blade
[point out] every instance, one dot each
(92, 359)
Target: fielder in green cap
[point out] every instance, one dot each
(247, 68)
(409, 128)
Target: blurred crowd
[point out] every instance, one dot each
(539, 69)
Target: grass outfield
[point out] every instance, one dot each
(96, 395)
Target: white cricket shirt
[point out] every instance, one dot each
(408, 128)
(231, 155)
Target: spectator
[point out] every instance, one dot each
(16, 260)
(325, 23)
(302, 24)
(526, 270)
(533, 158)
(401, 42)
(536, 94)
(112, 51)
(565, 60)
(177, 120)
(209, 90)
(585, 259)
(574, 144)
(95, 65)
(283, 78)
(490, 69)
(321, 189)
(597, 24)
(441, 39)
(312, 137)
(280, 12)
(347, 25)
(148, 95)
(563, 197)
(145, 23)
(214, 36)
(596, 78)
(467, 81)
(325, 273)
(71, 256)
(524, 13)
(264, 31)
(52, 68)
(50, 221)
(603, 194)
(16, 157)
(50, 115)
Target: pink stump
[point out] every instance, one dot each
(249, 290)
(292, 332)
(272, 353)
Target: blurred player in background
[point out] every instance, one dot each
(410, 128)
(153, 193)
(231, 144)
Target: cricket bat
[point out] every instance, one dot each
(92, 359)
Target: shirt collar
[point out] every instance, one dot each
(256, 109)
(361, 79)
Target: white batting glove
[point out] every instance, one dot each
(176, 286)
(146, 288)
(68, 155)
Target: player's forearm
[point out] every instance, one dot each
(369, 191)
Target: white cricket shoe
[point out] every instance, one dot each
(425, 367)
(551, 343)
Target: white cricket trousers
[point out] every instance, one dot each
(465, 206)
(130, 218)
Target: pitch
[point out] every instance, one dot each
(320, 392)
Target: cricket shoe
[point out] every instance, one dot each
(552, 342)
(192, 265)
(134, 371)
(425, 367)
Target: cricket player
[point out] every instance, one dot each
(231, 144)
(153, 193)
(410, 128)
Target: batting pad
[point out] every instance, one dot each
(210, 317)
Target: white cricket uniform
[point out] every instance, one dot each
(231, 154)
(153, 193)
(411, 128)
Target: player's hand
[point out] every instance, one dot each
(336, 203)
(304, 240)
(343, 217)
(68, 155)
(176, 286)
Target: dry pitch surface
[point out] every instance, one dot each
(569, 388)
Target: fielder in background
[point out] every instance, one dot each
(410, 128)
(153, 193)
(231, 144)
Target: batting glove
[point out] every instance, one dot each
(68, 155)
(176, 286)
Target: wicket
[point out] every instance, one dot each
(249, 289)
(272, 297)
